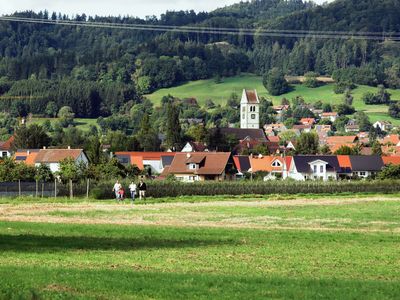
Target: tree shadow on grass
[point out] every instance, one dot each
(40, 243)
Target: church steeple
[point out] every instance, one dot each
(250, 110)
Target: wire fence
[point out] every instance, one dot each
(41, 189)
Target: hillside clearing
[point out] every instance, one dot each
(219, 93)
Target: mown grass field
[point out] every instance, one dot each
(81, 123)
(248, 248)
(219, 93)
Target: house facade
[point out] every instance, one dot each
(313, 167)
(202, 166)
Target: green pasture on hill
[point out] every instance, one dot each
(304, 248)
(219, 93)
(81, 123)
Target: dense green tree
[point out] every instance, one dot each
(307, 143)
(51, 109)
(31, 137)
(66, 116)
(274, 81)
(173, 139)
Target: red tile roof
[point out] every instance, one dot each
(6, 145)
(394, 160)
(56, 155)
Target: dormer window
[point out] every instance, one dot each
(276, 163)
(192, 166)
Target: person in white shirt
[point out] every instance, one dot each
(132, 189)
(116, 188)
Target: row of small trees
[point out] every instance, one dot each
(69, 172)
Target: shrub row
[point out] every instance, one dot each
(158, 189)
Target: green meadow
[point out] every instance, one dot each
(327, 247)
(219, 93)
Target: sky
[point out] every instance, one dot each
(136, 8)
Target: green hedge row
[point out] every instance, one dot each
(158, 189)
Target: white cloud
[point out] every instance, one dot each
(139, 8)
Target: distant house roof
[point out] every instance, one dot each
(241, 134)
(137, 158)
(167, 160)
(6, 145)
(56, 155)
(242, 163)
(329, 114)
(307, 121)
(198, 147)
(336, 147)
(264, 163)
(331, 140)
(393, 160)
(274, 139)
(211, 163)
(390, 139)
(344, 163)
(145, 155)
(302, 162)
(302, 127)
(366, 163)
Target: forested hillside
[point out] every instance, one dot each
(95, 71)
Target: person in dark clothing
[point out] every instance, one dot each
(142, 190)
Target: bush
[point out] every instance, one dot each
(159, 189)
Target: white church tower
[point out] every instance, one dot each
(250, 110)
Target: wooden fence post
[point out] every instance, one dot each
(19, 187)
(71, 195)
(55, 187)
(87, 188)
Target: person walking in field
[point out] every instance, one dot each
(142, 190)
(117, 187)
(132, 189)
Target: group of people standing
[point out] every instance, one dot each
(133, 188)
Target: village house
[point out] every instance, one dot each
(313, 167)
(364, 166)
(331, 116)
(303, 128)
(336, 142)
(195, 147)
(307, 121)
(272, 129)
(242, 165)
(50, 157)
(5, 147)
(391, 140)
(153, 162)
(274, 165)
(383, 125)
(202, 166)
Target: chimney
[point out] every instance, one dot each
(69, 147)
(44, 147)
(28, 152)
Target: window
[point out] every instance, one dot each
(276, 163)
(192, 166)
(362, 173)
(253, 116)
(321, 169)
(244, 109)
(4, 154)
(243, 117)
(315, 169)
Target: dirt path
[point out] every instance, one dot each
(185, 215)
